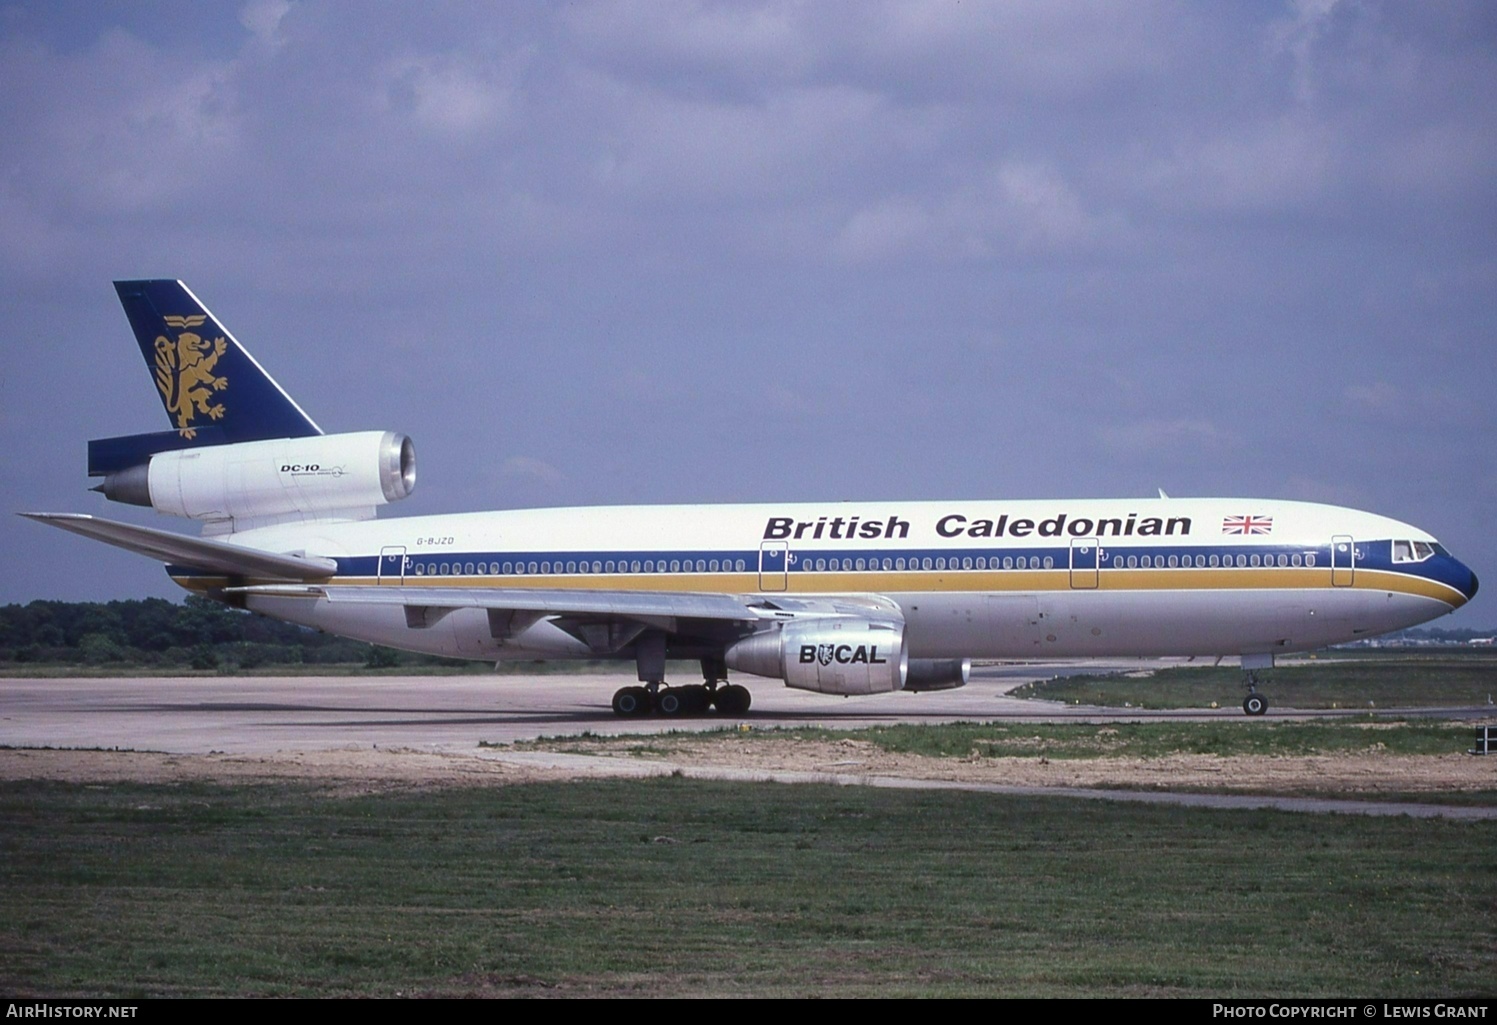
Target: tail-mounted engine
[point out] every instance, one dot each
(258, 483)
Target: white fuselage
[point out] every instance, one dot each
(1022, 579)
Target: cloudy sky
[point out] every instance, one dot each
(658, 252)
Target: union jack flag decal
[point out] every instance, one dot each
(1247, 525)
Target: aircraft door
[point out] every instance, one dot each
(1343, 560)
(774, 564)
(391, 569)
(1085, 560)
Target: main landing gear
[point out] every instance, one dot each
(693, 699)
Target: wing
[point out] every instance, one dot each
(605, 621)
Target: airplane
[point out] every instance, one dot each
(841, 598)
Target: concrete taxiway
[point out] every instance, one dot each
(456, 718)
(266, 714)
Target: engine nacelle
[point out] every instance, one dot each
(336, 476)
(938, 673)
(846, 655)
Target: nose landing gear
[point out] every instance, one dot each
(1255, 703)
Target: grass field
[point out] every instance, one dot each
(1454, 679)
(675, 887)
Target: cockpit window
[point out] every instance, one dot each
(1412, 551)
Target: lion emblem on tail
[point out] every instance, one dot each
(184, 373)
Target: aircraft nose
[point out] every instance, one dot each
(1472, 587)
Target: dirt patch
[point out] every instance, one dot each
(353, 770)
(366, 770)
(1366, 773)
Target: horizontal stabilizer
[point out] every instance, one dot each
(113, 455)
(191, 552)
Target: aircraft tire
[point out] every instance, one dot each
(733, 699)
(670, 703)
(631, 701)
(696, 699)
(1255, 704)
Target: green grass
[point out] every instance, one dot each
(1446, 680)
(676, 887)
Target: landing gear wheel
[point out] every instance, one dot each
(1255, 704)
(631, 701)
(732, 699)
(670, 702)
(695, 698)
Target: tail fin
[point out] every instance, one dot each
(212, 389)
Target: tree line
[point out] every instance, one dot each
(197, 634)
